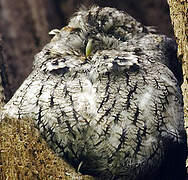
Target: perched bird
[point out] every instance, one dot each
(117, 115)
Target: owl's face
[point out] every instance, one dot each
(106, 27)
(98, 29)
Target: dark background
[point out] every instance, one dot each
(24, 27)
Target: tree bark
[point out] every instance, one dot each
(179, 17)
(25, 155)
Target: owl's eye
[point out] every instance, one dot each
(57, 66)
(128, 62)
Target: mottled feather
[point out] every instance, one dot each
(116, 115)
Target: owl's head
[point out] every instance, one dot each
(95, 30)
(105, 27)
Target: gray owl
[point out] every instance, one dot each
(105, 95)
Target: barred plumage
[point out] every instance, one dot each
(118, 110)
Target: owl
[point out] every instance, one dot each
(105, 95)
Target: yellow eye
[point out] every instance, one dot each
(89, 47)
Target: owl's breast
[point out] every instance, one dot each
(108, 114)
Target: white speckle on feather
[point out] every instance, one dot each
(146, 97)
(86, 100)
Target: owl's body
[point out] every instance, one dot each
(117, 112)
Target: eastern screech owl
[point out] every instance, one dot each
(105, 95)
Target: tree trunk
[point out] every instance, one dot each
(179, 14)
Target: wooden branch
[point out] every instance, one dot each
(25, 155)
